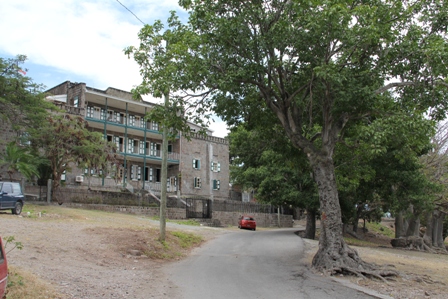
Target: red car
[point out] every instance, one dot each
(246, 221)
(3, 269)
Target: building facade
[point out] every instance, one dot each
(196, 167)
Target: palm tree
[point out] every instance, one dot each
(19, 159)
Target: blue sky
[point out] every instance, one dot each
(81, 40)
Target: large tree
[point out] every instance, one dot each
(320, 67)
(65, 141)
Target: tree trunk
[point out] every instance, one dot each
(399, 225)
(333, 254)
(438, 231)
(310, 230)
(431, 226)
(413, 224)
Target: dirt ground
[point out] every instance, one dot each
(90, 254)
(422, 274)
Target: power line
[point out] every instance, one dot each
(131, 12)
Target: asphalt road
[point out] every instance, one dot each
(248, 264)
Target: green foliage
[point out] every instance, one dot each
(15, 280)
(22, 102)
(164, 74)
(20, 159)
(65, 139)
(367, 72)
(378, 228)
(12, 240)
(187, 240)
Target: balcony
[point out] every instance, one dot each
(70, 109)
(149, 153)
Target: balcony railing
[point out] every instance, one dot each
(70, 109)
(149, 153)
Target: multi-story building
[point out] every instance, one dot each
(196, 167)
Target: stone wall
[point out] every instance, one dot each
(172, 213)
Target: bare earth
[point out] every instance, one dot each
(87, 254)
(88, 257)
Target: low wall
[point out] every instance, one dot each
(219, 218)
(172, 213)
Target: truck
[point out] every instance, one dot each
(11, 197)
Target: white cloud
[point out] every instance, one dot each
(82, 40)
(85, 38)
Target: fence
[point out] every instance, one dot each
(248, 207)
(222, 212)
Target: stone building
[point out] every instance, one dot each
(199, 167)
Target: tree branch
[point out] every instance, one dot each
(395, 84)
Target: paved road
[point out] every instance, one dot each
(247, 264)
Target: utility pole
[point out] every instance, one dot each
(164, 175)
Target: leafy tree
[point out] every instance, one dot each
(66, 140)
(22, 102)
(18, 159)
(321, 67)
(435, 168)
(262, 158)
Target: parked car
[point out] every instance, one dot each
(246, 221)
(11, 197)
(3, 269)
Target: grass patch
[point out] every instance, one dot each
(192, 222)
(25, 285)
(187, 240)
(177, 244)
(356, 242)
(380, 229)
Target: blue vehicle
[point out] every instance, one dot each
(11, 197)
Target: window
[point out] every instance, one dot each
(136, 172)
(197, 183)
(96, 112)
(216, 184)
(76, 102)
(141, 147)
(90, 111)
(110, 115)
(155, 125)
(103, 114)
(155, 149)
(215, 167)
(196, 164)
(132, 120)
(130, 145)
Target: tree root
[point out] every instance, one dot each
(346, 261)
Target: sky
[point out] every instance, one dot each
(82, 40)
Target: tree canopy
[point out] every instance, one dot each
(321, 67)
(22, 102)
(66, 141)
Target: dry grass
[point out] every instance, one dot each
(22, 285)
(117, 231)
